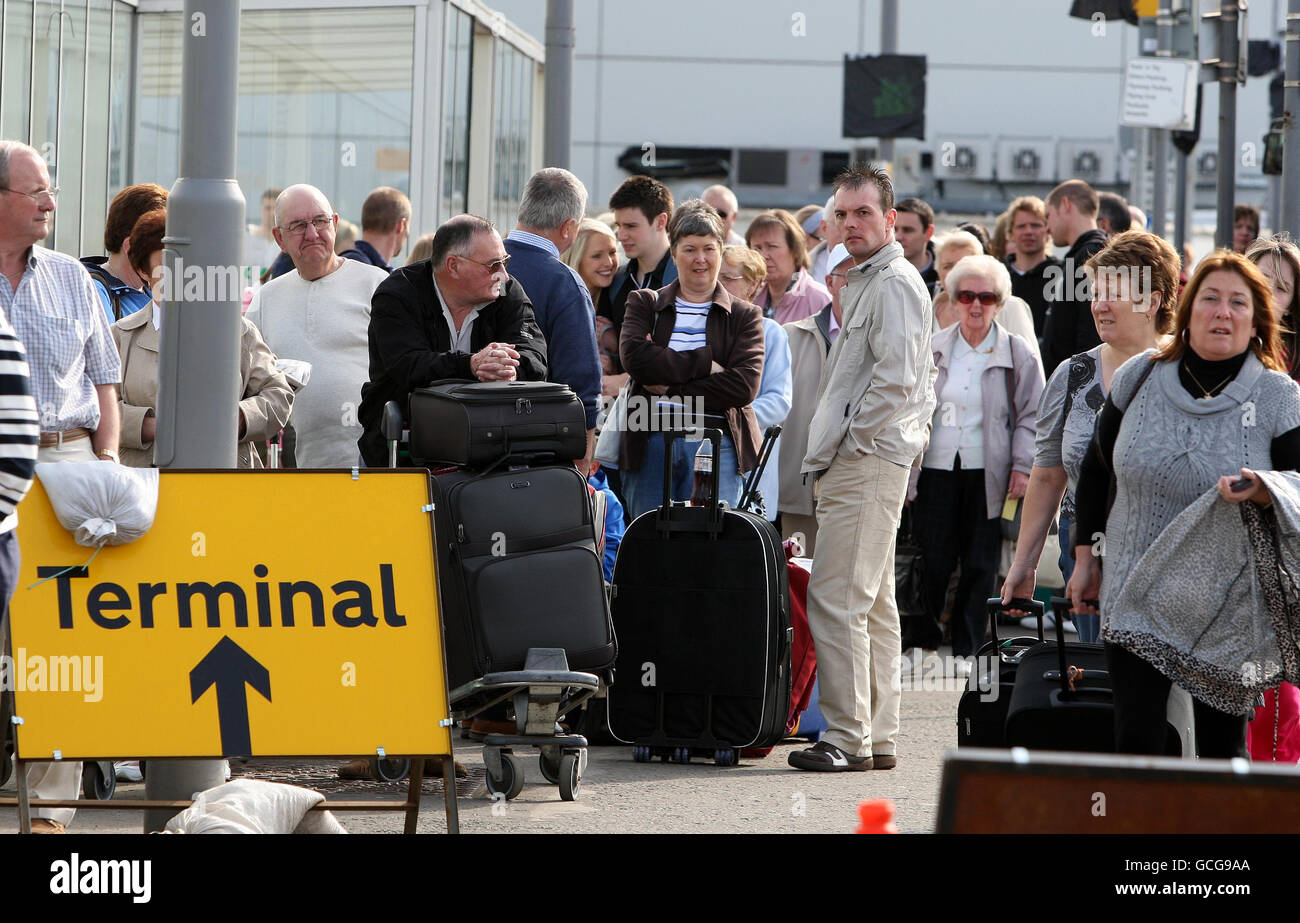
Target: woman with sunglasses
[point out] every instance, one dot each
(981, 449)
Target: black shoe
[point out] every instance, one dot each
(824, 757)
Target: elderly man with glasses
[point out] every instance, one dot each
(319, 313)
(458, 314)
(51, 303)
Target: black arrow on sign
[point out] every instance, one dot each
(229, 667)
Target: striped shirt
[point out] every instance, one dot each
(19, 432)
(58, 317)
(688, 329)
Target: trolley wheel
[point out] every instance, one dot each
(392, 770)
(569, 776)
(681, 754)
(726, 757)
(550, 765)
(641, 754)
(511, 781)
(97, 784)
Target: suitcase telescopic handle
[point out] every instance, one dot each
(391, 426)
(1060, 609)
(995, 607)
(764, 453)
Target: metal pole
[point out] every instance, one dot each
(1182, 194)
(1160, 136)
(1227, 179)
(197, 420)
(557, 146)
(1290, 218)
(888, 45)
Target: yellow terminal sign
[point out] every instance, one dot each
(272, 613)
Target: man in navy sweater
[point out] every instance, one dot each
(552, 207)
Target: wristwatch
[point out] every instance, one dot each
(109, 454)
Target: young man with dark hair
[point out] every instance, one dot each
(914, 230)
(642, 209)
(121, 289)
(1072, 222)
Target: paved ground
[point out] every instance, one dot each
(619, 795)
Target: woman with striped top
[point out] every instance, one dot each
(692, 345)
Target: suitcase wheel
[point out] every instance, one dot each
(726, 757)
(550, 760)
(96, 784)
(642, 754)
(511, 781)
(570, 776)
(681, 754)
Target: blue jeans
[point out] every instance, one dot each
(643, 489)
(1087, 624)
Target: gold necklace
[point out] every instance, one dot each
(1204, 392)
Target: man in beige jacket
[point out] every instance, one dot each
(875, 401)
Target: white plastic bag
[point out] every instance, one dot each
(254, 806)
(101, 503)
(610, 441)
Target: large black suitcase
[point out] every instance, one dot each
(982, 708)
(701, 605)
(518, 568)
(1063, 700)
(475, 423)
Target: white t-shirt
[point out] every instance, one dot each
(326, 323)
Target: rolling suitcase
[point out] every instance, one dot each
(1062, 698)
(474, 423)
(701, 605)
(517, 569)
(982, 709)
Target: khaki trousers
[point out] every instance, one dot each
(61, 779)
(851, 606)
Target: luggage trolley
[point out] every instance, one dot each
(540, 694)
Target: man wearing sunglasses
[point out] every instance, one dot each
(319, 313)
(723, 201)
(458, 314)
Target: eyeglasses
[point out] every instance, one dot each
(493, 267)
(837, 275)
(52, 192)
(731, 278)
(987, 299)
(321, 223)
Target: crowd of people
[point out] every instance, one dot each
(954, 374)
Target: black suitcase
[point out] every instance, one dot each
(982, 709)
(701, 605)
(1063, 700)
(517, 568)
(473, 424)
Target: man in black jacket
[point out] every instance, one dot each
(458, 314)
(1072, 222)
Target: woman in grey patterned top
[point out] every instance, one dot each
(1135, 288)
(1198, 415)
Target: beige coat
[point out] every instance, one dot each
(809, 343)
(265, 405)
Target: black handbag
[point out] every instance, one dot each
(909, 571)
